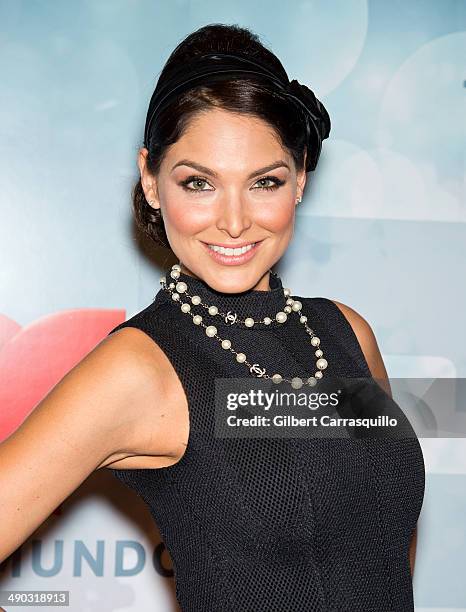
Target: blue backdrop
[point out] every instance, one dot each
(382, 226)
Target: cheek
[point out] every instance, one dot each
(277, 216)
(185, 217)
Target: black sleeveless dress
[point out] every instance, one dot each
(277, 524)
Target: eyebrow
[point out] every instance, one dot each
(187, 162)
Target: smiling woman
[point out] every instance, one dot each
(271, 522)
(260, 96)
(256, 524)
(245, 194)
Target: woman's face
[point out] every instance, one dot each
(227, 182)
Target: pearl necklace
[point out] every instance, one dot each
(181, 288)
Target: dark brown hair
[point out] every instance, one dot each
(245, 95)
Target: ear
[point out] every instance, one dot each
(301, 176)
(148, 181)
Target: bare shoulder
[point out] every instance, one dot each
(109, 406)
(131, 361)
(134, 349)
(154, 396)
(367, 342)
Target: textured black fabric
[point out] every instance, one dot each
(274, 524)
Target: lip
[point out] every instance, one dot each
(232, 260)
(231, 245)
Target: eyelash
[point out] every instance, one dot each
(278, 183)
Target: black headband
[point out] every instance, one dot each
(217, 66)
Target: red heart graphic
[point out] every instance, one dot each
(34, 358)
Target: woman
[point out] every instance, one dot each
(251, 523)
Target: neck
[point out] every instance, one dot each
(262, 285)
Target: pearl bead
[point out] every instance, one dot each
(292, 305)
(321, 364)
(211, 330)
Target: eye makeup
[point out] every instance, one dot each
(190, 179)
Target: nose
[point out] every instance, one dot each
(234, 215)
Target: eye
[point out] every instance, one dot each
(196, 180)
(276, 182)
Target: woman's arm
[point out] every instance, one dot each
(412, 550)
(105, 407)
(368, 343)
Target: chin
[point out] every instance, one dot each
(234, 280)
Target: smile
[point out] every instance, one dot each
(231, 251)
(232, 255)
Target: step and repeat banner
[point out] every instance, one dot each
(382, 228)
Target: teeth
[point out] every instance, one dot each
(229, 251)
